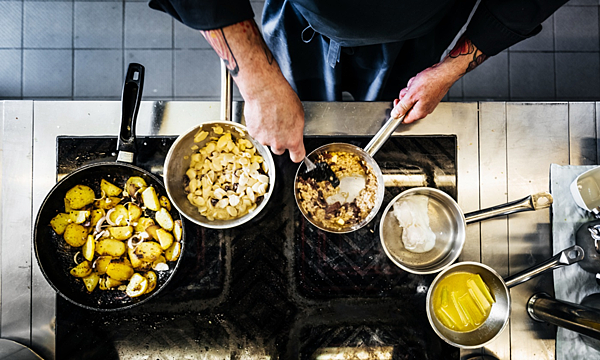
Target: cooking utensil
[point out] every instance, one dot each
(366, 155)
(177, 162)
(320, 171)
(448, 222)
(54, 256)
(585, 190)
(498, 286)
(12, 350)
(588, 237)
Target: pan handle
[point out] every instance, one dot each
(564, 258)
(130, 101)
(226, 92)
(383, 135)
(532, 202)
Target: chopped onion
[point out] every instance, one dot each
(99, 224)
(160, 266)
(75, 258)
(131, 244)
(103, 196)
(96, 259)
(108, 217)
(101, 234)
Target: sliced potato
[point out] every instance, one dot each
(151, 230)
(137, 285)
(75, 235)
(134, 212)
(164, 202)
(150, 199)
(59, 222)
(119, 269)
(82, 270)
(172, 253)
(118, 215)
(164, 219)
(134, 184)
(91, 281)
(152, 281)
(121, 232)
(79, 216)
(80, 196)
(88, 248)
(110, 189)
(96, 215)
(111, 283)
(164, 238)
(107, 202)
(160, 264)
(136, 262)
(148, 251)
(143, 223)
(177, 230)
(68, 207)
(101, 264)
(110, 247)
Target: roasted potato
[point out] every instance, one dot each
(164, 238)
(152, 281)
(75, 235)
(148, 251)
(101, 264)
(82, 270)
(110, 247)
(164, 202)
(121, 232)
(119, 269)
(96, 215)
(91, 281)
(79, 196)
(110, 189)
(150, 199)
(107, 203)
(172, 253)
(177, 230)
(143, 223)
(59, 223)
(137, 285)
(134, 212)
(89, 248)
(118, 215)
(136, 262)
(79, 216)
(164, 219)
(134, 184)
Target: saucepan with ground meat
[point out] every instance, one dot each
(355, 201)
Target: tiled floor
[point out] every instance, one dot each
(79, 50)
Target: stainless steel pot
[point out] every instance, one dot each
(447, 221)
(498, 286)
(366, 155)
(178, 160)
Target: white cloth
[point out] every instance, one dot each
(571, 283)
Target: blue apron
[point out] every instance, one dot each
(321, 67)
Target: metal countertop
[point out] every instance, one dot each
(504, 153)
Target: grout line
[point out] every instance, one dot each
(22, 46)
(73, 50)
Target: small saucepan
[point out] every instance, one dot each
(499, 288)
(307, 202)
(55, 257)
(447, 221)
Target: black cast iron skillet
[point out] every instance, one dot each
(55, 256)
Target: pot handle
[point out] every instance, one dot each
(130, 101)
(383, 135)
(564, 258)
(532, 202)
(226, 93)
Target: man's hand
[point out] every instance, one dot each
(273, 112)
(425, 91)
(276, 119)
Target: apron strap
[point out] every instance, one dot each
(304, 37)
(333, 55)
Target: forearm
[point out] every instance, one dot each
(463, 58)
(248, 58)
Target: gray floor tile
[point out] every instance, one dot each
(544, 41)
(489, 81)
(10, 73)
(10, 18)
(197, 74)
(98, 74)
(577, 76)
(47, 73)
(158, 83)
(188, 38)
(48, 24)
(146, 28)
(98, 25)
(531, 76)
(576, 28)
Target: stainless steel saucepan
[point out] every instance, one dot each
(366, 155)
(498, 286)
(447, 221)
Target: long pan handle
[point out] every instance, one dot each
(130, 101)
(226, 93)
(383, 135)
(532, 202)
(564, 258)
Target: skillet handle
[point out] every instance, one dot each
(130, 101)
(532, 202)
(226, 93)
(564, 258)
(383, 135)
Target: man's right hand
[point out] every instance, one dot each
(273, 112)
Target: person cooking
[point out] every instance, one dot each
(313, 50)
